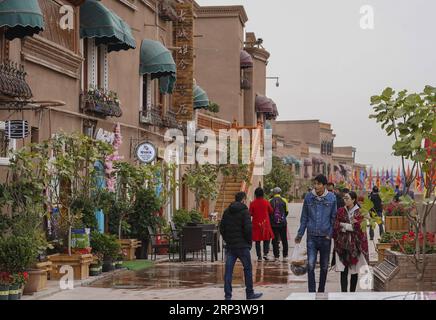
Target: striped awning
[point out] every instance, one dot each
(105, 26)
(21, 18)
(157, 60)
(246, 60)
(201, 100)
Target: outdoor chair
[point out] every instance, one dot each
(175, 240)
(192, 240)
(211, 232)
(156, 245)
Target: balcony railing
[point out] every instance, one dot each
(170, 120)
(152, 116)
(12, 81)
(100, 103)
(167, 12)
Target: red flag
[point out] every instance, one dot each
(418, 185)
(398, 179)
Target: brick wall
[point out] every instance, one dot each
(405, 279)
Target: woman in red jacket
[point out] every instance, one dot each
(260, 209)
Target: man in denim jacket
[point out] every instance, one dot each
(318, 217)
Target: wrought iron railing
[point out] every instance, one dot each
(12, 81)
(152, 116)
(167, 12)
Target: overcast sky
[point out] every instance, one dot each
(329, 67)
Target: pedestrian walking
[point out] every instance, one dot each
(350, 242)
(260, 210)
(279, 224)
(378, 209)
(318, 217)
(331, 188)
(236, 230)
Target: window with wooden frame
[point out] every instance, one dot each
(95, 66)
(150, 90)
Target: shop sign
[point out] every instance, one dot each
(146, 152)
(184, 58)
(105, 136)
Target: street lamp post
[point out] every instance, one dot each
(275, 78)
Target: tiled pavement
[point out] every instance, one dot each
(203, 281)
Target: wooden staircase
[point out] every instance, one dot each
(229, 187)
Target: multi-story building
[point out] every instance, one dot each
(132, 51)
(308, 147)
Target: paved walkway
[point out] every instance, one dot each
(204, 280)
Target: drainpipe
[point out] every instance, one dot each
(157, 20)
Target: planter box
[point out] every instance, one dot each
(403, 273)
(381, 247)
(79, 262)
(38, 277)
(396, 224)
(129, 246)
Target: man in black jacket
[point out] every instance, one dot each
(235, 229)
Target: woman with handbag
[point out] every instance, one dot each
(260, 209)
(351, 243)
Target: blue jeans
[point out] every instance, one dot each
(231, 256)
(323, 246)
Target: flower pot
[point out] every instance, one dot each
(129, 246)
(396, 224)
(79, 262)
(381, 247)
(37, 281)
(95, 270)
(108, 266)
(4, 292)
(14, 292)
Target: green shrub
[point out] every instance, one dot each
(105, 245)
(17, 253)
(182, 217)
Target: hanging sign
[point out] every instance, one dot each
(106, 136)
(146, 152)
(184, 57)
(16, 129)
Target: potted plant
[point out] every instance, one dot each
(396, 217)
(108, 247)
(75, 193)
(17, 254)
(5, 282)
(385, 242)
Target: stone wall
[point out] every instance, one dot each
(405, 277)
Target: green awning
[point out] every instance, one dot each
(158, 61)
(201, 100)
(21, 18)
(102, 24)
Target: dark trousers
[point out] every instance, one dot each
(344, 281)
(380, 228)
(265, 248)
(280, 234)
(245, 257)
(323, 246)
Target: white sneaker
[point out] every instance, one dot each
(285, 259)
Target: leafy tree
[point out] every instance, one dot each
(280, 176)
(411, 119)
(202, 181)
